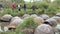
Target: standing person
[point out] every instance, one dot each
(33, 7)
(25, 7)
(19, 6)
(13, 6)
(2, 8)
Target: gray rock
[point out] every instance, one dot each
(6, 17)
(39, 20)
(56, 18)
(58, 14)
(58, 27)
(5, 28)
(16, 17)
(28, 31)
(26, 15)
(33, 16)
(14, 22)
(44, 29)
(52, 22)
(44, 16)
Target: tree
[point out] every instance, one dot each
(19, 1)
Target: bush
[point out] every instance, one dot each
(28, 23)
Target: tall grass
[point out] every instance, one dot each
(28, 23)
(28, 11)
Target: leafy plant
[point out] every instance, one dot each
(28, 23)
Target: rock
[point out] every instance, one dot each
(44, 16)
(15, 21)
(56, 18)
(52, 22)
(44, 29)
(5, 28)
(1, 29)
(28, 31)
(6, 17)
(58, 14)
(39, 20)
(33, 16)
(26, 15)
(16, 17)
(58, 27)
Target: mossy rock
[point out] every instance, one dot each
(26, 26)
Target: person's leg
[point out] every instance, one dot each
(2, 10)
(24, 9)
(19, 9)
(13, 10)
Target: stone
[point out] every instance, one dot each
(39, 20)
(44, 29)
(44, 16)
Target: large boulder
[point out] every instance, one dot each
(44, 16)
(33, 16)
(26, 15)
(16, 17)
(15, 22)
(58, 27)
(6, 17)
(56, 18)
(39, 20)
(58, 14)
(28, 31)
(44, 29)
(28, 26)
(51, 22)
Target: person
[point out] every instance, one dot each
(33, 7)
(25, 7)
(13, 6)
(2, 8)
(19, 6)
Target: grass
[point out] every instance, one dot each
(28, 11)
(28, 22)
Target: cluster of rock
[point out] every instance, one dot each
(45, 23)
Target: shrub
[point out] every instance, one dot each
(28, 23)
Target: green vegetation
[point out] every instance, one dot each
(28, 23)
(44, 6)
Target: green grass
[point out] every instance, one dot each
(28, 22)
(28, 11)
